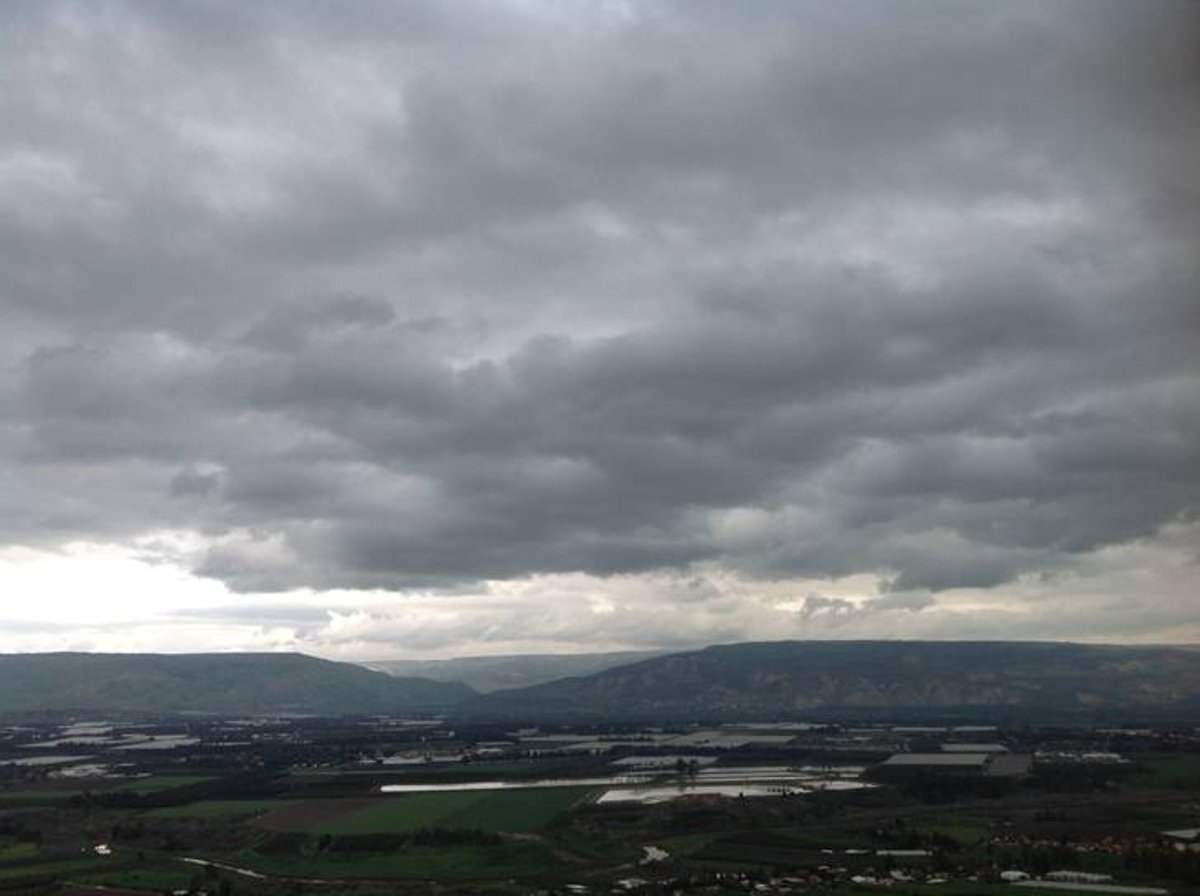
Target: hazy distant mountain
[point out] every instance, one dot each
(209, 682)
(493, 673)
(790, 678)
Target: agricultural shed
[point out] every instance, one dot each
(937, 760)
(906, 765)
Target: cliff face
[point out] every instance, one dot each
(782, 678)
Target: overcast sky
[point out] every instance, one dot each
(442, 328)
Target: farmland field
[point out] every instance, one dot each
(35, 797)
(310, 815)
(512, 826)
(516, 811)
(220, 809)
(158, 783)
(11, 851)
(1180, 771)
(964, 830)
(417, 862)
(154, 879)
(52, 868)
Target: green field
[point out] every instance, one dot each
(682, 845)
(158, 783)
(153, 879)
(53, 869)
(964, 830)
(11, 851)
(19, 798)
(821, 838)
(220, 809)
(516, 811)
(416, 862)
(1172, 771)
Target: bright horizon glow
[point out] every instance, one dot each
(152, 603)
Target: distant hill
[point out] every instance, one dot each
(493, 673)
(871, 678)
(230, 683)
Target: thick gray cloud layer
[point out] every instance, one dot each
(421, 294)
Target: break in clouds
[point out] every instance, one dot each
(400, 327)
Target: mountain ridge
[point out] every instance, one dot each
(751, 680)
(491, 673)
(233, 683)
(784, 678)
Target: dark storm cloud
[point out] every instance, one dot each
(417, 294)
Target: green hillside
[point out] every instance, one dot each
(848, 678)
(493, 673)
(213, 682)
